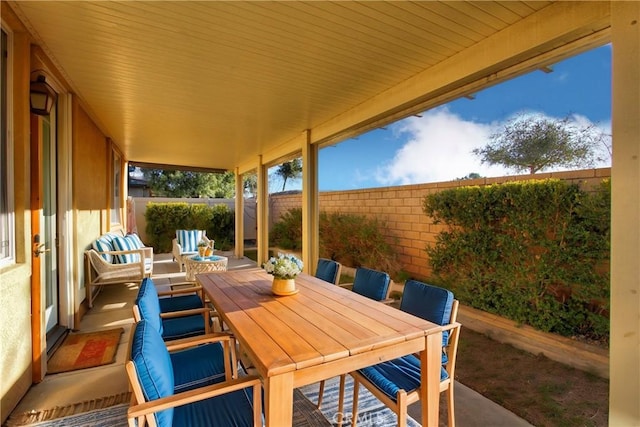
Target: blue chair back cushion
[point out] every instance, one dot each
(371, 283)
(154, 368)
(397, 374)
(428, 302)
(148, 304)
(189, 239)
(327, 270)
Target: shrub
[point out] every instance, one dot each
(534, 251)
(163, 219)
(353, 240)
(287, 232)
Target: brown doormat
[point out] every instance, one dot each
(85, 350)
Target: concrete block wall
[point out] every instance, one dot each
(401, 209)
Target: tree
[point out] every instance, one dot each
(289, 170)
(176, 183)
(250, 183)
(533, 143)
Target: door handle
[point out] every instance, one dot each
(39, 249)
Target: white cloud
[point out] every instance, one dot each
(439, 148)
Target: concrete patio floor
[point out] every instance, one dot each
(113, 308)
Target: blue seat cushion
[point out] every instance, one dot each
(397, 374)
(228, 410)
(428, 302)
(180, 302)
(327, 270)
(197, 366)
(371, 283)
(182, 327)
(153, 366)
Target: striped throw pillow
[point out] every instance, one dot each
(124, 244)
(101, 245)
(188, 239)
(135, 238)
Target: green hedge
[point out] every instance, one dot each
(163, 219)
(353, 240)
(536, 252)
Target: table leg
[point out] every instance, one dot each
(278, 400)
(431, 360)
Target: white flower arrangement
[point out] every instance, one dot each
(284, 266)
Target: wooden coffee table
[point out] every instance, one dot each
(196, 264)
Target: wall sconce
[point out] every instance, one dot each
(42, 97)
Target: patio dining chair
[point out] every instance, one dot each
(167, 392)
(371, 284)
(173, 324)
(328, 270)
(396, 382)
(182, 296)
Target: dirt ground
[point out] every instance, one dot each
(543, 392)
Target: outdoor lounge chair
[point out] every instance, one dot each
(109, 265)
(396, 382)
(166, 393)
(328, 270)
(186, 244)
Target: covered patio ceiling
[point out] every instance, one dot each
(217, 84)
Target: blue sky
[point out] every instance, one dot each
(437, 146)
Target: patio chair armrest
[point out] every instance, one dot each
(198, 394)
(183, 313)
(187, 290)
(451, 326)
(181, 344)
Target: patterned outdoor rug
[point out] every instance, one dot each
(371, 412)
(108, 411)
(112, 412)
(85, 350)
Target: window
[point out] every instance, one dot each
(116, 189)
(7, 232)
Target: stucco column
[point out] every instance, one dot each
(624, 397)
(262, 212)
(310, 205)
(239, 206)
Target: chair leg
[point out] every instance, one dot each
(401, 409)
(451, 413)
(320, 394)
(354, 411)
(343, 378)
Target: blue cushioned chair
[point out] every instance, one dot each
(184, 298)
(170, 324)
(397, 382)
(372, 284)
(328, 270)
(169, 392)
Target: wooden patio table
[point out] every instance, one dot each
(321, 332)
